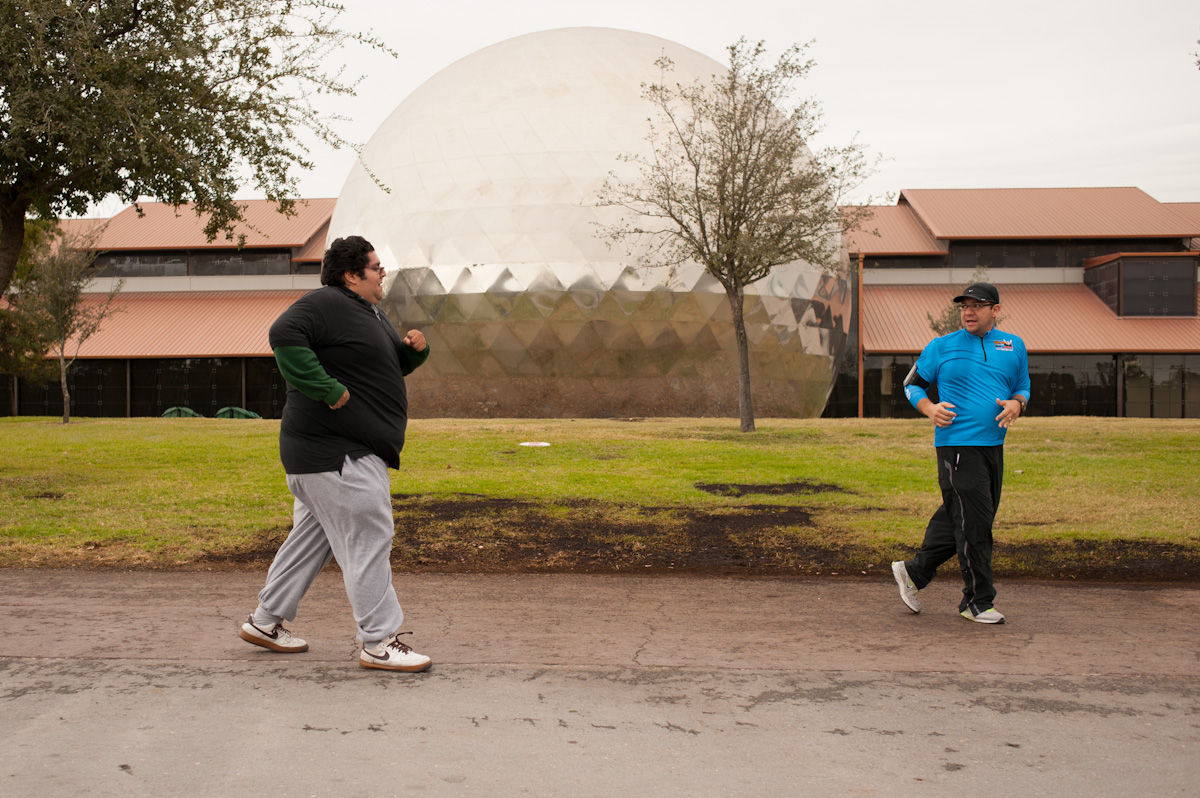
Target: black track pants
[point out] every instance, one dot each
(970, 478)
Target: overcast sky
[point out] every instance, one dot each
(953, 93)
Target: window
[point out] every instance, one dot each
(1072, 385)
(266, 390)
(181, 263)
(1162, 386)
(1158, 287)
(97, 388)
(883, 386)
(1146, 286)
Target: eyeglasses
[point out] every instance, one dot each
(976, 307)
(381, 269)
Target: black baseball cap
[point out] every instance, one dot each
(981, 292)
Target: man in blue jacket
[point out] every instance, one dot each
(978, 371)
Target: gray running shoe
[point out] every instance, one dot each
(275, 637)
(987, 616)
(908, 591)
(392, 655)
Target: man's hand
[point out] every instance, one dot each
(416, 340)
(1010, 410)
(940, 414)
(341, 402)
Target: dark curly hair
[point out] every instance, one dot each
(347, 254)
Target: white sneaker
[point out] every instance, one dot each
(908, 591)
(274, 637)
(392, 655)
(987, 616)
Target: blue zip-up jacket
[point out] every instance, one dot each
(971, 373)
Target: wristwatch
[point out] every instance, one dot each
(1021, 401)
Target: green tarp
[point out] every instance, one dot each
(180, 412)
(236, 412)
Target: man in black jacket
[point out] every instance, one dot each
(343, 427)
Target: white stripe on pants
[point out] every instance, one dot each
(347, 516)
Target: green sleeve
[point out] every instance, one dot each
(411, 358)
(300, 367)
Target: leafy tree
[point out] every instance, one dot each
(23, 353)
(49, 301)
(23, 349)
(180, 100)
(730, 184)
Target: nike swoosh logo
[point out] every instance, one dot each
(271, 635)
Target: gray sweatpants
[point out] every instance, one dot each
(347, 516)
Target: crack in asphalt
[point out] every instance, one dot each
(652, 630)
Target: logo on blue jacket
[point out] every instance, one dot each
(1003, 344)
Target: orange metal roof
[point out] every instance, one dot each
(314, 250)
(1064, 318)
(163, 227)
(72, 228)
(1188, 211)
(76, 231)
(900, 233)
(1102, 259)
(1005, 213)
(191, 324)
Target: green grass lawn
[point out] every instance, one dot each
(814, 496)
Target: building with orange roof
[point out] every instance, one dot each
(1101, 283)
(193, 314)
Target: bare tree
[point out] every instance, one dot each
(51, 298)
(730, 183)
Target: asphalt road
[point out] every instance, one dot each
(137, 684)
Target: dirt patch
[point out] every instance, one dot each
(480, 534)
(800, 488)
(1092, 560)
(500, 535)
(257, 553)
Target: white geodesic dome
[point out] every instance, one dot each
(497, 159)
(488, 228)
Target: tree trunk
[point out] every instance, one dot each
(745, 403)
(12, 237)
(62, 371)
